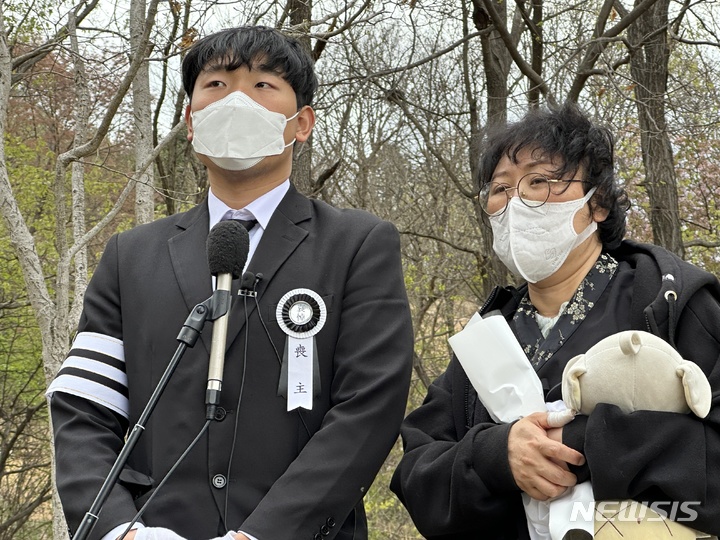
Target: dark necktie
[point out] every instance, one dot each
(247, 223)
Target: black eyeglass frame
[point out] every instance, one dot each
(550, 182)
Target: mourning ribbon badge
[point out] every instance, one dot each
(301, 313)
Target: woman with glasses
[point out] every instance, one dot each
(558, 219)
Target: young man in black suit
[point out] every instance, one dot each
(270, 467)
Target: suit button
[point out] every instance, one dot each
(220, 414)
(317, 536)
(330, 522)
(325, 530)
(219, 481)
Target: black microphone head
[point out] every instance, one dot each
(228, 245)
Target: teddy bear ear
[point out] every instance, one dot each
(698, 393)
(571, 394)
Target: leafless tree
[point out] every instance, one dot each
(408, 91)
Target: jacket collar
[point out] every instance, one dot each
(189, 261)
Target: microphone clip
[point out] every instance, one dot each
(210, 310)
(218, 304)
(248, 284)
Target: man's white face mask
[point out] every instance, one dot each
(237, 132)
(535, 242)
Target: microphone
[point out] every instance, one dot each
(249, 283)
(246, 285)
(228, 245)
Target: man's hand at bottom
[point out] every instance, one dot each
(153, 533)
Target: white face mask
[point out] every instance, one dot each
(535, 242)
(237, 132)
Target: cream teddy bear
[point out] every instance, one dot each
(635, 370)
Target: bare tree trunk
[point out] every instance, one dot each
(82, 119)
(142, 114)
(22, 238)
(172, 168)
(537, 50)
(20, 235)
(649, 67)
(300, 14)
(62, 333)
(496, 64)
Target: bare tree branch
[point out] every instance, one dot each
(602, 39)
(24, 63)
(524, 67)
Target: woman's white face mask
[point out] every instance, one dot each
(535, 242)
(237, 132)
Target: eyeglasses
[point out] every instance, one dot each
(533, 190)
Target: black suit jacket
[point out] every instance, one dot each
(272, 473)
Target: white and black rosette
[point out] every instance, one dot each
(301, 314)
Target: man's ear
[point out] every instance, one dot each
(305, 123)
(188, 122)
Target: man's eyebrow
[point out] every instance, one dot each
(262, 69)
(214, 68)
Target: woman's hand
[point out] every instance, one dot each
(538, 460)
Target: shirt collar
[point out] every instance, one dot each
(260, 209)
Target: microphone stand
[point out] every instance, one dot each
(214, 307)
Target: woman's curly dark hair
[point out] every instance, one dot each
(566, 135)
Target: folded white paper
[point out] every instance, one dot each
(509, 388)
(498, 369)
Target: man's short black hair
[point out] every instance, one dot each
(255, 47)
(568, 136)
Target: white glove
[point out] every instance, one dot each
(157, 533)
(560, 418)
(559, 414)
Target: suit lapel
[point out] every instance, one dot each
(188, 257)
(278, 242)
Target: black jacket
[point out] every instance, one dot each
(275, 475)
(455, 479)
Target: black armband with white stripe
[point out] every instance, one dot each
(95, 370)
